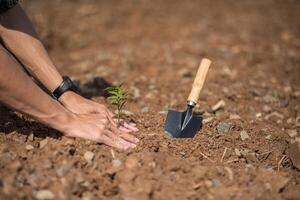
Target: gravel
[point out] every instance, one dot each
(223, 128)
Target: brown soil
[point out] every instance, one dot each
(154, 47)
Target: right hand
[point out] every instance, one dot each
(98, 128)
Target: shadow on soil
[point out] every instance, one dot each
(93, 88)
(11, 122)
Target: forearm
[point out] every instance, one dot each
(19, 37)
(18, 91)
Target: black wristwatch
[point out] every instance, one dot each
(66, 85)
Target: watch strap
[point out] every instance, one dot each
(66, 85)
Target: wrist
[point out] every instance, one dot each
(67, 97)
(60, 121)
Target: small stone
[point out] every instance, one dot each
(296, 94)
(258, 115)
(208, 183)
(30, 137)
(294, 153)
(116, 163)
(266, 108)
(290, 120)
(244, 135)
(85, 184)
(234, 117)
(216, 183)
(221, 104)
(87, 196)
(207, 120)
(152, 87)
(43, 143)
(237, 152)
(89, 156)
(223, 128)
(292, 132)
(29, 147)
(268, 137)
(145, 109)
(136, 93)
(44, 195)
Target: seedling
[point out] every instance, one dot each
(118, 96)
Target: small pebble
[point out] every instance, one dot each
(116, 163)
(216, 183)
(237, 152)
(89, 156)
(44, 195)
(244, 135)
(145, 109)
(292, 132)
(234, 117)
(43, 143)
(207, 120)
(29, 147)
(223, 128)
(268, 137)
(266, 108)
(30, 137)
(258, 115)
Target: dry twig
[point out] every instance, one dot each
(202, 154)
(224, 153)
(280, 162)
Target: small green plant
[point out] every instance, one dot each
(118, 96)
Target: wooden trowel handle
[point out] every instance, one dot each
(199, 80)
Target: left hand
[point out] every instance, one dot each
(80, 105)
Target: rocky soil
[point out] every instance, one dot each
(249, 146)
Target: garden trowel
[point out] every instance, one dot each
(186, 124)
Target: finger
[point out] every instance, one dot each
(118, 141)
(112, 143)
(111, 120)
(124, 135)
(110, 113)
(130, 126)
(121, 128)
(129, 137)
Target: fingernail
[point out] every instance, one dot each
(133, 145)
(136, 140)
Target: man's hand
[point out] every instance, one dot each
(98, 128)
(80, 105)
